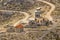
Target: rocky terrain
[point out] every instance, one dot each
(53, 35)
(19, 5)
(10, 17)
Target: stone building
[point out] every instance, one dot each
(38, 14)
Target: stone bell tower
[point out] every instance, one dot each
(37, 14)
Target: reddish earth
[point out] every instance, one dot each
(19, 26)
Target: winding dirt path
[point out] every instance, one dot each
(25, 19)
(48, 16)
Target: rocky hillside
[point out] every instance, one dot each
(22, 5)
(55, 33)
